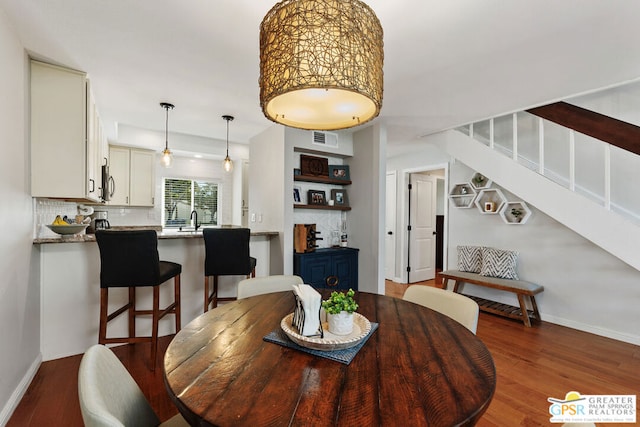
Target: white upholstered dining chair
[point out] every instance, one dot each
(109, 396)
(268, 284)
(460, 308)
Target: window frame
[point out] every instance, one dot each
(193, 181)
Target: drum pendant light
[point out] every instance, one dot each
(167, 156)
(321, 64)
(228, 164)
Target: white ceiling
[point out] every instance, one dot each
(447, 62)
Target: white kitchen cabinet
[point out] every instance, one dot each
(119, 166)
(64, 160)
(97, 146)
(133, 173)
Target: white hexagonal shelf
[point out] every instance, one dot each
(462, 195)
(515, 213)
(490, 201)
(480, 182)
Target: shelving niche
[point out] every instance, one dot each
(508, 217)
(462, 195)
(490, 195)
(321, 180)
(480, 182)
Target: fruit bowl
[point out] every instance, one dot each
(66, 230)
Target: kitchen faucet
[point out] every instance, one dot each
(195, 223)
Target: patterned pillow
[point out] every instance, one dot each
(499, 263)
(470, 258)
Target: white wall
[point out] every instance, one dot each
(367, 198)
(179, 143)
(268, 190)
(425, 156)
(19, 291)
(586, 288)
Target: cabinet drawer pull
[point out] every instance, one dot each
(332, 281)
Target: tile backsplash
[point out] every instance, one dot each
(327, 223)
(47, 209)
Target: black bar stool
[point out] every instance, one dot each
(226, 254)
(129, 259)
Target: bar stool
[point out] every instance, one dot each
(129, 259)
(226, 254)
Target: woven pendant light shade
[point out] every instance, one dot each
(321, 64)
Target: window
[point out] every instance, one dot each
(182, 196)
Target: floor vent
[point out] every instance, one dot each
(325, 138)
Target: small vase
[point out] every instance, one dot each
(341, 323)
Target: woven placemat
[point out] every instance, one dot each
(343, 356)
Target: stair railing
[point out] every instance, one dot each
(575, 161)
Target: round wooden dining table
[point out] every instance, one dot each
(419, 368)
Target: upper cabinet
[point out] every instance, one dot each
(133, 173)
(66, 135)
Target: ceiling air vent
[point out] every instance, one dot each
(325, 138)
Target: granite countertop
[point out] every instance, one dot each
(162, 234)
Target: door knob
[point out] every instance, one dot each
(390, 233)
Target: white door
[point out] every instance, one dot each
(390, 228)
(422, 235)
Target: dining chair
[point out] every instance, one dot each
(460, 308)
(268, 284)
(110, 397)
(226, 254)
(129, 259)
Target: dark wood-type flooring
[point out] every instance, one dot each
(532, 364)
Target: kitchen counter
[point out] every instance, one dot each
(69, 277)
(162, 234)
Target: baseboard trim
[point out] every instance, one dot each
(631, 339)
(19, 392)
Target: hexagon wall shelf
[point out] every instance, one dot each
(480, 182)
(509, 215)
(462, 195)
(490, 201)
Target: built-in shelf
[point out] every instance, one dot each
(480, 182)
(507, 213)
(462, 195)
(321, 179)
(490, 201)
(322, 207)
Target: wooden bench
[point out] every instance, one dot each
(524, 290)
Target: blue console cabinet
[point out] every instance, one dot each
(333, 268)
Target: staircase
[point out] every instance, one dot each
(585, 184)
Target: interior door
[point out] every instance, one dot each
(422, 234)
(390, 228)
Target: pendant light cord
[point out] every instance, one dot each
(227, 138)
(167, 107)
(166, 129)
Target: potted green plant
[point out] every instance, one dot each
(340, 308)
(517, 214)
(479, 180)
